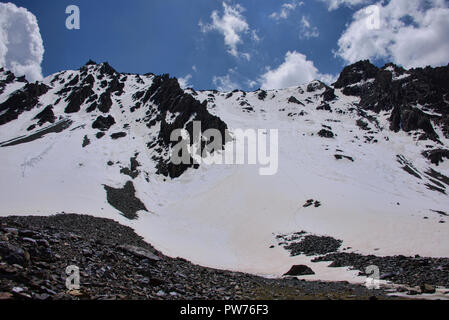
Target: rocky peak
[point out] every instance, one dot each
(96, 92)
(90, 62)
(395, 88)
(359, 71)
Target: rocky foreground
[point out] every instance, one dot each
(115, 263)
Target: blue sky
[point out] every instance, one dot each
(181, 38)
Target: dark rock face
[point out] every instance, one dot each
(363, 125)
(299, 270)
(77, 98)
(118, 135)
(22, 100)
(45, 116)
(86, 141)
(325, 107)
(106, 69)
(103, 123)
(100, 135)
(436, 156)
(340, 157)
(105, 102)
(168, 96)
(132, 169)
(262, 95)
(10, 77)
(362, 70)
(411, 119)
(115, 86)
(394, 88)
(124, 200)
(315, 86)
(329, 94)
(294, 100)
(55, 128)
(326, 133)
(312, 202)
(74, 81)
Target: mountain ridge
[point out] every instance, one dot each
(95, 141)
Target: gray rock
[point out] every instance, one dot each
(43, 243)
(12, 231)
(27, 233)
(413, 292)
(30, 240)
(161, 293)
(427, 288)
(140, 252)
(13, 254)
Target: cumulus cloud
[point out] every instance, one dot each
(411, 33)
(184, 81)
(307, 30)
(335, 4)
(286, 9)
(232, 25)
(225, 83)
(21, 45)
(295, 70)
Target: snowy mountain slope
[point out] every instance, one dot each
(63, 141)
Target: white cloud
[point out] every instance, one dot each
(224, 83)
(412, 33)
(184, 81)
(286, 9)
(294, 71)
(232, 25)
(307, 30)
(21, 45)
(335, 4)
(251, 83)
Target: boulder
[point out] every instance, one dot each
(299, 270)
(427, 288)
(326, 134)
(13, 254)
(140, 252)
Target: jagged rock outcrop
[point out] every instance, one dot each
(47, 115)
(394, 88)
(103, 123)
(22, 100)
(97, 89)
(168, 96)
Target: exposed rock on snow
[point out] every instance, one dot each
(299, 270)
(326, 133)
(117, 264)
(125, 200)
(310, 245)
